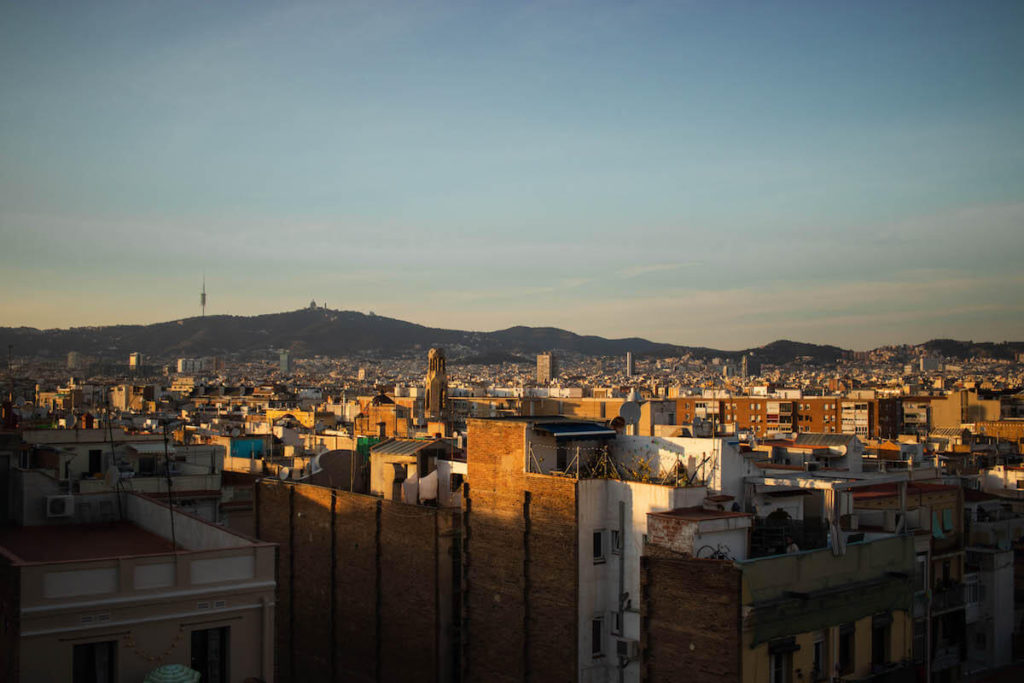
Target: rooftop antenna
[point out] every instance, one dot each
(10, 375)
(170, 482)
(202, 296)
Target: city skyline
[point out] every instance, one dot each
(719, 175)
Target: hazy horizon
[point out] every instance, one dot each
(703, 174)
(524, 324)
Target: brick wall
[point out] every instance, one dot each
(311, 582)
(670, 532)
(355, 607)
(521, 565)
(360, 584)
(690, 618)
(10, 619)
(273, 523)
(409, 601)
(553, 577)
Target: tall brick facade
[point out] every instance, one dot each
(364, 585)
(521, 565)
(10, 619)
(690, 616)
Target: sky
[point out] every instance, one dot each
(694, 172)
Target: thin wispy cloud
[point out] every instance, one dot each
(600, 166)
(637, 271)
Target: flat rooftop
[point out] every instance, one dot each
(889, 490)
(69, 542)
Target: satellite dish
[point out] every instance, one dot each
(630, 412)
(284, 473)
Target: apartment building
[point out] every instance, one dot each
(91, 461)
(562, 512)
(547, 367)
(112, 594)
(993, 609)
(553, 549)
(75, 455)
(805, 615)
(764, 415)
(934, 514)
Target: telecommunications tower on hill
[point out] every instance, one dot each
(202, 296)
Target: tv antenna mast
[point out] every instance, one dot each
(202, 296)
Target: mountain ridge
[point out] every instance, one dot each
(327, 332)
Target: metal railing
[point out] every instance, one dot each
(949, 598)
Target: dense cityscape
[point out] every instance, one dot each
(646, 516)
(546, 341)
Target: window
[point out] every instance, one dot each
(782, 666)
(455, 482)
(921, 574)
(95, 461)
(973, 593)
(210, 654)
(95, 662)
(880, 625)
(781, 652)
(818, 664)
(846, 648)
(596, 635)
(936, 526)
(598, 546)
(920, 630)
(616, 541)
(947, 519)
(561, 458)
(617, 623)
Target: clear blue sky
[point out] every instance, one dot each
(703, 172)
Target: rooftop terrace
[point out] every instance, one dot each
(75, 542)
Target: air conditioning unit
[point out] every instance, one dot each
(627, 649)
(60, 506)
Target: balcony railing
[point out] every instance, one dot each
(897, 672)
(768, 537)
(948, 598)
(945, 657)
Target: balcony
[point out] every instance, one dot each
(768, 537)
(946, 657)
(998, 530)
(947, 599)
(972, 597)
(901, 672)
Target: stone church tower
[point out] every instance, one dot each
(437, 385)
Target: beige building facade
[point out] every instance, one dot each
(112, 601)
